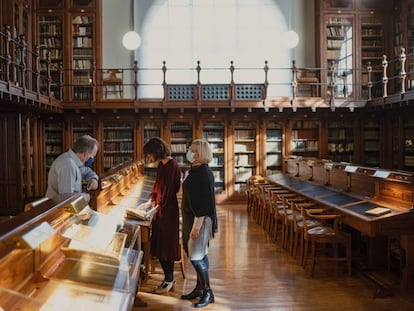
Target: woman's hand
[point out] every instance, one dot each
(195, 230)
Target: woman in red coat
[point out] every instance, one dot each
(165, 223)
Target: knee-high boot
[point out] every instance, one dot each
(196, 292)
(202, 272)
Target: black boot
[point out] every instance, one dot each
(197, 292)
(202, 273)
(208, 297)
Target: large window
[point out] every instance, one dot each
(215, 32)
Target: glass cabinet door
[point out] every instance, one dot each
(82, 56)
(213, 132)
(339, 55)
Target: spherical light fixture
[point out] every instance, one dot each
(291, 39)
(131, 40)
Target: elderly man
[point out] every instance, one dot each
(68, 170)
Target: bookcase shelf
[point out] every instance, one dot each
(82, 56)
(53, 142)
(371, 143)
(341, 141)
(274, 149)
(118, 144)
(213, 132)
(181, 137)
(305, 138)
(244, 153)
(50, 40)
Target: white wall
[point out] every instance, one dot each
(117, 21)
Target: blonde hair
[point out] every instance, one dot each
(205, 154)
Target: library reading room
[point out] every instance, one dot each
(215, 154)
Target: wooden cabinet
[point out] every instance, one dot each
(408, 145)
(51, 52)
(341, 141)
(181, 135)
(305, 138)
(371, 134)
(54, 141)
(214, 133)
(118, 143)
(245, 157)
(351, 36)
(273, 147)
(372, 48)
(70, 31)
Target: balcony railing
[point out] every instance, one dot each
(138, 87)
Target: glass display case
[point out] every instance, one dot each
(70, 256)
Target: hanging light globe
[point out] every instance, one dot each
(291, 39)
(131, 40)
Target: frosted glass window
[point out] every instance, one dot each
(215, 32)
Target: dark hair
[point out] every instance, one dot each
(157, 147)
(85, 143)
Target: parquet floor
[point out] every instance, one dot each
(250, 272)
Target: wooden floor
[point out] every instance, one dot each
(250, 272)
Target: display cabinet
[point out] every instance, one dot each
(151, 129)
(305, 138)
(410, 43)
(181, 135)
(372, 50)
(408, 145)
(245, 140)
(341, 141)
(65, 256)
(54, 141)
(82, 56)
(274, 147)
(82, 127)
(118, 144)
(351, 35)
(69, 30)
(51, 50)
(339, 53)
(371, 143)
(214, 133)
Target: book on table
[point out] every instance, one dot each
(144, 211)
(378, 211)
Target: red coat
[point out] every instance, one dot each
(165, 224)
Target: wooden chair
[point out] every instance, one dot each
(298, 228)
(326, 234)
(290, 216)
(113, 82)
(279, 214)
(307, 79)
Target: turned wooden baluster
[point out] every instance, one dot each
(403, 74)
(332, 83)
(232, 86)
(265, 84)
(164, 84)
(198, 87)
(37, 69)
(22, 60)
(136, 84)
(294, 81)
(369, 70)
(49, 75)
(7, 56)
(384, 75)
(93, 81)
(61, 79)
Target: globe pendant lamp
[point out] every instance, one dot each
(131, 40)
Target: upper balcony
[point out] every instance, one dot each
(28, 80)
